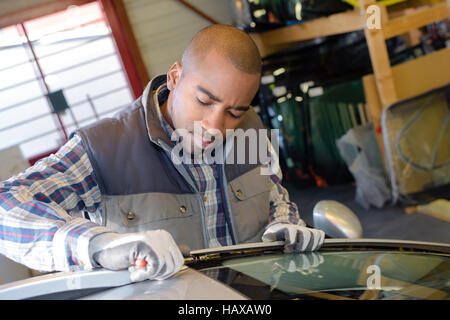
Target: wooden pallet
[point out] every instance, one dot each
(387, 84)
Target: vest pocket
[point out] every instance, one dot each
(178, 214)
(153, 208)
(130, 213)
(249, 200)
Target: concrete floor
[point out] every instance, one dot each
(390, 222)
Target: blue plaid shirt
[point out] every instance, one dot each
(49, 212)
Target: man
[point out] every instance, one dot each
(114, 196)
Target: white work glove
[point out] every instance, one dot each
(296, 238)
(115, 251)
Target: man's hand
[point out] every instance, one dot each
(296, 238)
(115, 251)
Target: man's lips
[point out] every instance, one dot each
(203, 143)
(206, 143)
(199, 141)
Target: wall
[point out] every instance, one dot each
(163, 28)
(9, 6)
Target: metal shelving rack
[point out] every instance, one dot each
(387, 84)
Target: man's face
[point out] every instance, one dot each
(215, 94)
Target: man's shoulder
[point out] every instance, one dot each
(251, 120)
(121, 118)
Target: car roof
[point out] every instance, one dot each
(195, 281)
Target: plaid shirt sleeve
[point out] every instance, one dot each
(42, 224)
(282, 210)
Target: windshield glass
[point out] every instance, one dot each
(338, 275)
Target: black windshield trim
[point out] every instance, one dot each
(329, 244)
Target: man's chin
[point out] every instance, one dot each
(202, 145)
(197, 147)
(203, 149)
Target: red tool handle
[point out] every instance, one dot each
(140, 263)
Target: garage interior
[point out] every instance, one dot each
(360, 94)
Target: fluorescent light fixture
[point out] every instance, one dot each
(267, 79)
(298, 10)
(279, 91)
(315, 92)
(279, 71)
(259, 13)
(305, 86)
(281, 100)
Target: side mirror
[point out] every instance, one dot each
(336, 220)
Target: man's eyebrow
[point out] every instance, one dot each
(239, 108)
(213, 97)
(209, 94)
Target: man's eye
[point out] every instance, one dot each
(202, 103)
(233, 115)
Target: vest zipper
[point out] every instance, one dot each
(205, 232)
(189, 179)
(228, 214)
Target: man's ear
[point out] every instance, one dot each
(174, 75)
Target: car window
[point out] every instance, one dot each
(337, 275)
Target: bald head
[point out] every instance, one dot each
(215, 83)
(233, 44)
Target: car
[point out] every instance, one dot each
(345, 268)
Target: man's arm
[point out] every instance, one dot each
(42, 224)
(41, 220)
(284, 220)
(281, 208)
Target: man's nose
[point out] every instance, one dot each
(214, 120)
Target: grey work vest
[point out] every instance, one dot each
(142, 189)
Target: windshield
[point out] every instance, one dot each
(337, 275)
